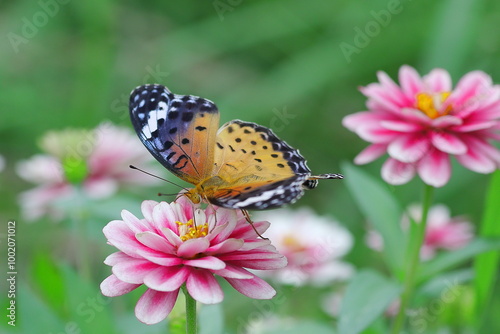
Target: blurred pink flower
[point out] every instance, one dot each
(177, 244)
(443, 231)
(312, 244)
(423, 121)
(107, 151)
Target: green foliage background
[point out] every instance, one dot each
(257, 60)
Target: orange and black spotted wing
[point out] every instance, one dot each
(178, 130)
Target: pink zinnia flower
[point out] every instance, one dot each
(443, 231)
(423, 121)
(177, 244)
(313, 246)
(107, 151)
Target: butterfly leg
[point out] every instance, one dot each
(249, 220)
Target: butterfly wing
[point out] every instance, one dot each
(178, 130)
(258, 170)
(260, 195)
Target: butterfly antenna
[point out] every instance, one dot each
(158, 177)
(163, 194)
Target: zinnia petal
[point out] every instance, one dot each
(154, 306)
(409, 148)
(435, 168)
(448, 143)
(166, 278)
(113, 287)
(133, 270)
(396, 172)
(203, 287)
(438, 81)
(370, 153)
(254, 288)
(410, 81)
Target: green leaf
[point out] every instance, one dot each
(49, 283)
(34, 314)
(88, 308)
(367, 296)
(448, 260)
(381, 209)
(486, 265)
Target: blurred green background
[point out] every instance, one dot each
(294, 66)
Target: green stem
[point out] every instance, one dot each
(80, 226)
(413, 257)
(191, 325)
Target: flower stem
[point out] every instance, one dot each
(413, 260)
(80, 226)
(191, 325)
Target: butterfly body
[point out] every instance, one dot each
(242, 165)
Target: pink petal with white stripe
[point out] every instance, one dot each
(265, 264)
(133, 222)
(438, 81)
(448, 143)
(154, 306)
(396, 172)
(206, 262)
(116, 257)
(147, 209)
(410, 81)
(446, 121)
(190, 248)
(471, 127)
(162, 259)
(120, 236)
(393, 89)
(113, 287)
(401, 126)
(234, 272)
(133, 270)
(370, 153)
(166, 278)
(154, 241)
(468, 86)
(435, 168)
(164, 217)
(229, 245)
(171, 236)
(480, 157)
(254, 288)
(203, 287)
(247, 231)
(409, 148)
(384, 99)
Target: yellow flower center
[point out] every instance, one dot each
(190, 231)
(432, 104)
(292, 243)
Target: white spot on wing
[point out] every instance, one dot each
(152, 121)
(162, 110)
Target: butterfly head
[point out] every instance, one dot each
(193, 195)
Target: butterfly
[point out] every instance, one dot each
(242, 165)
